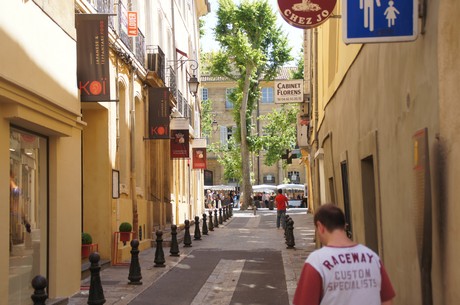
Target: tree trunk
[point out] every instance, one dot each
(246, 186)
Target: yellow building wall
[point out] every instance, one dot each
(38, 93)
(372, 99)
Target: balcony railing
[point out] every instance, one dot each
(123, 25)
(140, 48)
(172, 82)
(106, 7)
(156, 61)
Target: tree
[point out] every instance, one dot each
(279, 133)
(252, 48)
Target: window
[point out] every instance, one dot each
(204, 94)
(28, 213)
(226, 132)
(294, 176)
(269, 178)
(346, 197)
(267, 95)
(228, 102)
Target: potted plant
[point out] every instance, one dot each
(125, 232)
(86, 244)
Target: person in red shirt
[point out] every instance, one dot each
(281, 202)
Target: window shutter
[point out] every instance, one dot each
(223, 136)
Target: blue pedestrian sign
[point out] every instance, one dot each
(379, 20)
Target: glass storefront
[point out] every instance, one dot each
(28, 244)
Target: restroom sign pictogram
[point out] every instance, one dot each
(366, 21)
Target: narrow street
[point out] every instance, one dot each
(243, 261)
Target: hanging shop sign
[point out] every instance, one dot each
(179, 144)
(289, 91)
(93, 57)
(199, 158)
(306, 14)
(199, 154)
(132, 24)
(159, 111)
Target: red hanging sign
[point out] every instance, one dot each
(179, 144)
(199, 158)
(132, 24)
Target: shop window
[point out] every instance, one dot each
(28, 213)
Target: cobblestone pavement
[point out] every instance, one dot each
(238, 263)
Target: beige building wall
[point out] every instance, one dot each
(371, 101)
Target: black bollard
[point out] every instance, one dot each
(187, 237)
(39, 284)
(197, 235)
(290, 234)
(159, 254)
(205, 225)
(134, 276)
(174, 251)
(286, 219)
(224, 213)
(220, 216)
(230, 210)
(96, 293)
(211, 226)
(216, 219)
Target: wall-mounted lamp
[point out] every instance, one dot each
(193, 82)
(214, 125)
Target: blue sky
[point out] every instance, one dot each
(295, 35)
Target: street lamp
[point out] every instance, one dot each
(193, 84)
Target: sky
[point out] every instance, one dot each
(295, 35)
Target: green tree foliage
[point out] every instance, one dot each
(279, 133)
(229, 157)
(252, 48)
(299, 73)
(206, 118)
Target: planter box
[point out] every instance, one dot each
(125, 236)
(86, 250)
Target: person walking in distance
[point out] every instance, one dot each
(281, 202)
(342, 271)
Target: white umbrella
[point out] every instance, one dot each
(264, 188)
(291, 186)
(220, 187)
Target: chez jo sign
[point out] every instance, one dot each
(306, 14)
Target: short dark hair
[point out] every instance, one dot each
(280, 191)
(330, 216)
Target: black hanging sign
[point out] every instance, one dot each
(159, 111)
(93, 57)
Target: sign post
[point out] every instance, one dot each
(367, 21)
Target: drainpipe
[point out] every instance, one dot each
(132, 121)
(175, 162)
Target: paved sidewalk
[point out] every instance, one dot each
(236, 242)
